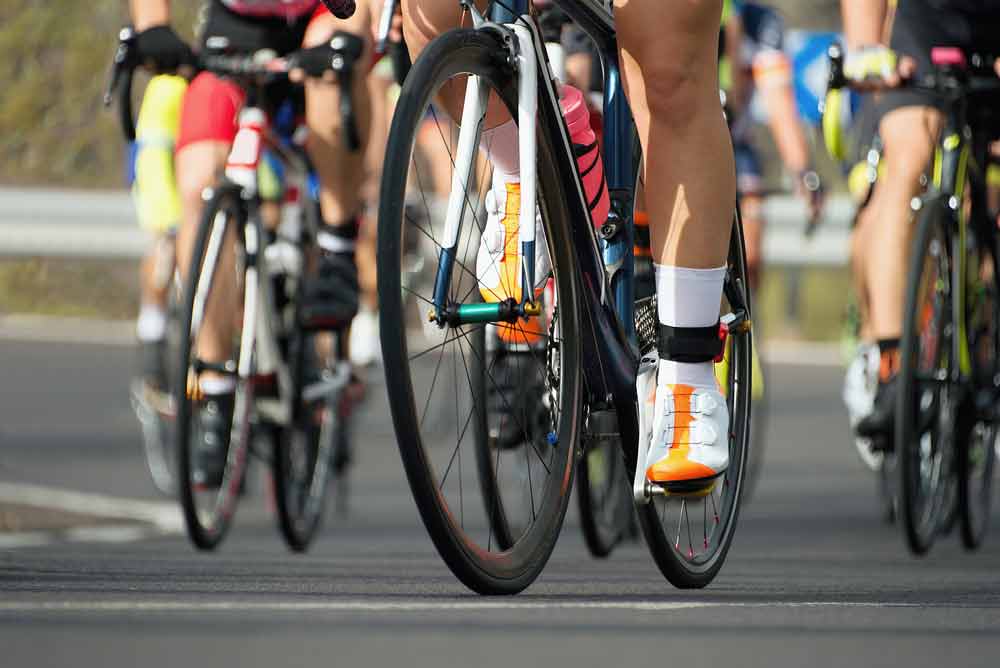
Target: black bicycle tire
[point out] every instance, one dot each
(601, 540)
(509, 572)
(761, 411)
(202, 537)
(299, 531)
(919, 540)
(972, 535)
(677, 571)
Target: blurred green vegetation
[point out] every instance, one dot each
(54, 130)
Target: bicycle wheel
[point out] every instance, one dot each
(154, 407)
(689, 536)
(442, 381)
(304, 450)
(604, 497)
(925, 422)
(978, 431)
(212, 281)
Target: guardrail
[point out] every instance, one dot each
(101, 225)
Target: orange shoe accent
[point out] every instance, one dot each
(528, 331)
(676, 467)
(193, 389)
(888, 364)
(509, 269)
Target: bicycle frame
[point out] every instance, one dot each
(953, 165)
(259, 353)
(610, 353)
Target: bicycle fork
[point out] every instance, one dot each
(473, 115)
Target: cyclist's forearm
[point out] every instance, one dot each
(786, 128)
(149, 13)
(864, 21)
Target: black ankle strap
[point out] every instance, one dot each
(691, 344)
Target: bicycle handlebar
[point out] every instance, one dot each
(345, 50)
(120, 81)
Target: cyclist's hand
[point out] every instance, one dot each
(876, 67)
(342, 9)
(161, 49)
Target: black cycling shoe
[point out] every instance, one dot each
(152, 360)
(330, 295)
(514, 393)
(879, 425)
(215, 424)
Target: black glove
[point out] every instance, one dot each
(339, 55)
(161, 47)
(342, 9)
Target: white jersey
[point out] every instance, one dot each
(277, 8)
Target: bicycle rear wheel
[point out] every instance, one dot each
(925, 412)
(208, 509)
(979, 429)
(689, 536)
(604, 497)
(442, 381)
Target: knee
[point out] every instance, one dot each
(193, 177)
(908, 136)
(675, 93)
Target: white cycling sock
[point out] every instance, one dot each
(151, 325)
(500, 147)
(688, 298)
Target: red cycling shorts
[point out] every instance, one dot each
(212, 104)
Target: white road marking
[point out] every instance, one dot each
(165, 516)
(124, 534)
(414, 606)
(25, 539)
(54, 329)
(803, 353)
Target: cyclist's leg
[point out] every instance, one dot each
(669, 55)
(207, 131)
(423, 20)
(749, 183)
(908, 135)
(332, 298)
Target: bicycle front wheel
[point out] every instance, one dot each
(486, 416)
(211, 322)
(689, 536)
(926, 408)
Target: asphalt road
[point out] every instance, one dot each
(814, 576)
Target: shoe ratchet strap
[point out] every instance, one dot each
(693, 345)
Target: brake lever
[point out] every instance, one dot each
(347, 50)
(120, 79)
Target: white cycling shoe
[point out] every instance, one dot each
(498, 262)
(686, 434)
(860, 386)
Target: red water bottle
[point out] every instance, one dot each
(587, 153)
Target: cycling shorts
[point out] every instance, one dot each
(920, 25)
(749, 174)
(212, 104)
